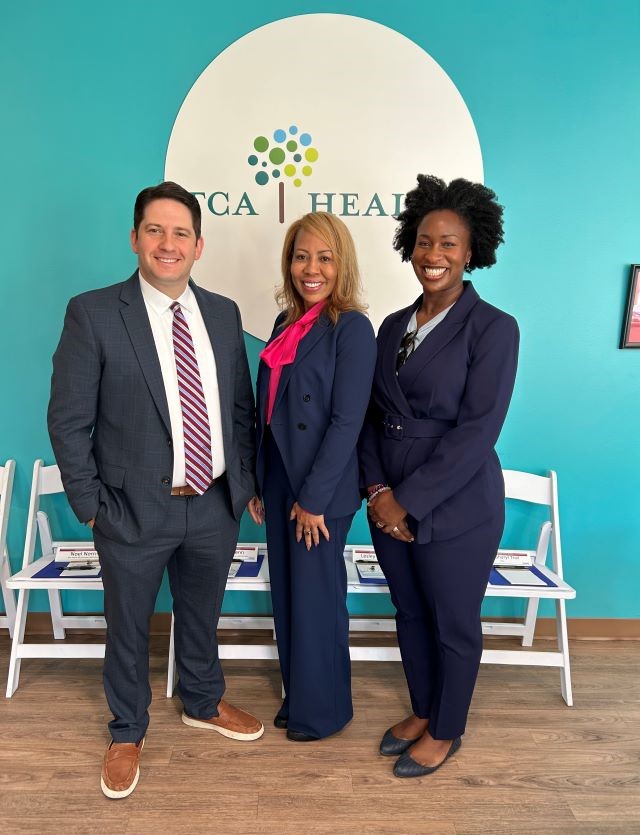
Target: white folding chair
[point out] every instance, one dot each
(542, 491)
(8, 620)
(46, 481)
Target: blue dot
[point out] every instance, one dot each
(293, 130)
(275, 173)
(305, 139)
(253, 160)
(279, 135)
(297, 157)
(264, 164)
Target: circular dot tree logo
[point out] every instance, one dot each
(287, 155)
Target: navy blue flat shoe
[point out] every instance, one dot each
(406, 766)
(393, 746)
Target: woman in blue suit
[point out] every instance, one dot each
(444, 377)
(314, 384)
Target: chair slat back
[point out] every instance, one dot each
(6, 489)
(527, 487)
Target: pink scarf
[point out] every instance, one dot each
(282, 351)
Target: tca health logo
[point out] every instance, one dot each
(289, 156)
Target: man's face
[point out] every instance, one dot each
(166, 246)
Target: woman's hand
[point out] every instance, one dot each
(256, 510)
(308, 525)
(389, 516)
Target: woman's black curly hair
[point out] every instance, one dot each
(475, 203)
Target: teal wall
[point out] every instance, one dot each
(89, 93)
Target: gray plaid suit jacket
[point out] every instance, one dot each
(108, 416)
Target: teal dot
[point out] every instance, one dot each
(264, 164)
(262, 178)
(275, 173)
(253, 160)
(279, 135)
(297, 157)
(305, 139)
(261, 143)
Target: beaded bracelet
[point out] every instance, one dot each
(380, 489)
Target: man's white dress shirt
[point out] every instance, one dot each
(161, 319)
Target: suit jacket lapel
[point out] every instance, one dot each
(440, 336)
(136, 320)
(217, 329)
(389, 357)
(316, 333)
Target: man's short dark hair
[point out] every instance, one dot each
(168, 191)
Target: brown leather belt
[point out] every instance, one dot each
(187, 490)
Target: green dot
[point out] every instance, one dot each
(306, 170)
(292, 145)
(262, 178)
(276, 155)
(261, 143)
(311, 155)
(289, 170)
(297, 183)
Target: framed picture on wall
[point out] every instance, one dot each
(631, 329)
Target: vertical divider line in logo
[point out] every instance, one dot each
(274, 153)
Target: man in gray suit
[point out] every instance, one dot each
(151, 420)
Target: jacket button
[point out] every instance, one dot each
(169, 442)
(302, 426)
(166, 481)
(307, 398)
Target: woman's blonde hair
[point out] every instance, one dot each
(346, 293)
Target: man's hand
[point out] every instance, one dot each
(91, 523)
(308, 525)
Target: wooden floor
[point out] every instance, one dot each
(528, 764)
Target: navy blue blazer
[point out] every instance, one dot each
(108, 415)
(318, 413)
(431, 429)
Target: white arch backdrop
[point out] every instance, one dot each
(316, 111)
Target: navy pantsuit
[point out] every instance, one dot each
(430, 434)
(309, 595)
(308, 455)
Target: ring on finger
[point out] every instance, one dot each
(395, 529)
(307, 531)
(379, 525)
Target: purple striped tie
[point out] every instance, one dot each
(195, 419)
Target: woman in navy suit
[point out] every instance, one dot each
(314, 384)
(443, 381)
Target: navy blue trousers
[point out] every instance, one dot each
(437, 590)
(309, 597)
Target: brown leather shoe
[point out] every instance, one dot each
(231, 722)
(121, 769)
